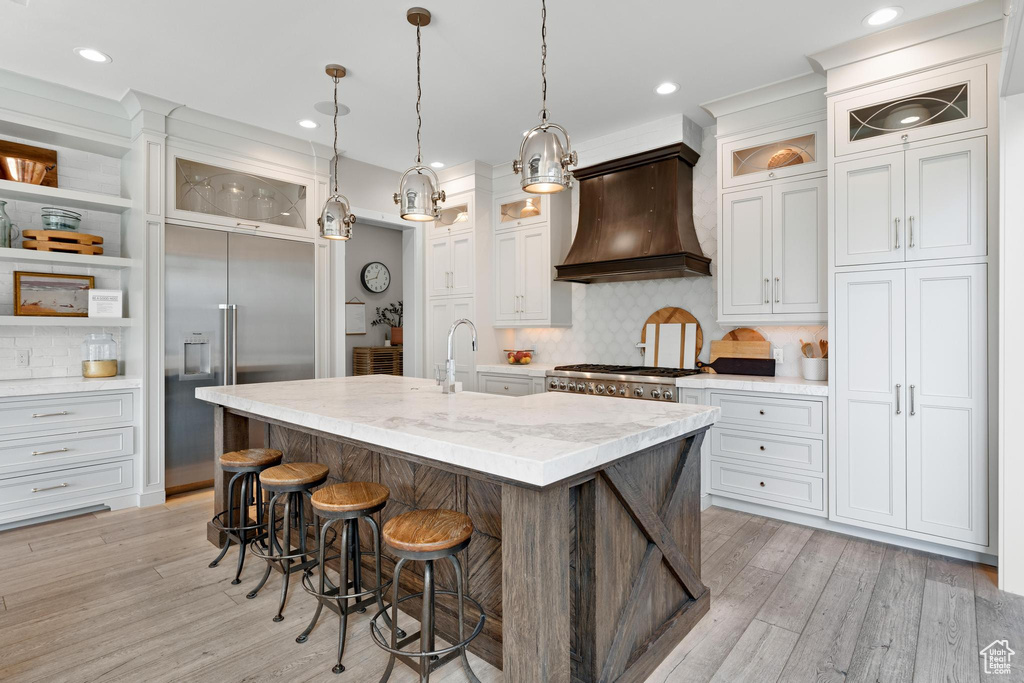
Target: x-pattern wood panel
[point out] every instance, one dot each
(661, 546)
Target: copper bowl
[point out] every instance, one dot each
(24, 170)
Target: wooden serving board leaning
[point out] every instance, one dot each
(654, 348)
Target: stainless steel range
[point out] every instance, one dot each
(618, 381)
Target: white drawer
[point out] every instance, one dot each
(64, 412)
(785, 490)
(509, 386)
(52, 489)
(69, 450)
(789, 414)
(768, 449)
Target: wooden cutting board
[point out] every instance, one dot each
(743, 334)
(740, 349)
(670, 315)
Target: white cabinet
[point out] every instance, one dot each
(911, 391)
(458, 214)
(441, 313)
(868, 344)
(773, 253)
(773, 155)
(450, 265)
(925, 203)
(525, 295)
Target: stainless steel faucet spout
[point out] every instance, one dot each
(449, 379)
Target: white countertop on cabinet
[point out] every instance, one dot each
(65, 385)
(537, 440)
(531, 370)
(771, 385)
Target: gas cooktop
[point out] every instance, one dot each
(626, 370)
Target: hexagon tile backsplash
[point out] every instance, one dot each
(607, 318)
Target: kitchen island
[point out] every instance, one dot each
(586, 548)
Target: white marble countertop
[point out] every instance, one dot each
(65, 385)
(537, 440)
(773, 385)
(531, 370)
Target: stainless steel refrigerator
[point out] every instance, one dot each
(239, 310)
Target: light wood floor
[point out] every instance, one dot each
(127, 596)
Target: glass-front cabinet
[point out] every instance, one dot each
(519, 210)
(769, 156)
(912, 109)
(240, 197)
(457, 215)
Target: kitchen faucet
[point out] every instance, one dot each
(449, 366)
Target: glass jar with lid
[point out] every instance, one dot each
(99, 355)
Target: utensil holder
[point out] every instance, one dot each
(814, 369)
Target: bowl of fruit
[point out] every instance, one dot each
(519, 356)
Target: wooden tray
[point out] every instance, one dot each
(670, 315)
(62, 240)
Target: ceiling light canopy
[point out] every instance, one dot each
(543, 160)
(336, 219)
(418, 198)
(667, 88)
(93, 55)
(308, 123)
(883, 16)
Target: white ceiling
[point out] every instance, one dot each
(261, 61)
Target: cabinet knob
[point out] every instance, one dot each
(761, 411)
(762, 448)
(762, 484)
(772, 174)
(904, 137)
(506, 387)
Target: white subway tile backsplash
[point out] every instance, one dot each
(607, 318)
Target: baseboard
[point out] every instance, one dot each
(850, 530)
(152, 498)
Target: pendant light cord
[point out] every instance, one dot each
(419, 96)
(544, 59)
(336, 79)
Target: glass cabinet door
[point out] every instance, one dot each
(456, 215)
(769, 156)
(239, 199)
(907, 113)
(514, 212)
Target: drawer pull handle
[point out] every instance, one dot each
(59, 450)
(762, 448)
(761, 411)
(63, 412)
(50, 488)
(762, 484)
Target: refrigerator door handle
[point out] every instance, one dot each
(230, 343)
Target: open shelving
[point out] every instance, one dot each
(73, 199)
(62, 258)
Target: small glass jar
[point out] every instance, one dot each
(99, 355)
(232, 200)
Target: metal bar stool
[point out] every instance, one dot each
(346, 503)
(295, 482)
(246, 466)
(426, 536)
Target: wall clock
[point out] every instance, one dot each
(375, 277)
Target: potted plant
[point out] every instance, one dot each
(391, 315)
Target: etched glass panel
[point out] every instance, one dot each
(774, 155)
(520, 209)
(454, 216)
(216, 191)
(917, 111)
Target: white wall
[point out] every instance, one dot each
(608, 317)
(1011, 363)
(374, 243)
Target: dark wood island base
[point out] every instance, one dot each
(594, 578)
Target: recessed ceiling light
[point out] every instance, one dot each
(667, 88)
(910, 119)
(883, 16)
(437, 164)
(93, 55)
(308, 123)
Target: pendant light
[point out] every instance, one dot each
(418, 197)
(543, 160)
(336, 220)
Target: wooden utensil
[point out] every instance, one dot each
(761, 367)
(669, 315)
(740, 349)
(823, 345)
(806, 349)
(743, 334)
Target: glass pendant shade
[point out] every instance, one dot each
(336, 220)
(417, 197)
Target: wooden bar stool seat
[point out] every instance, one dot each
(352, 496)
(426, 536)
(252, 457)
(235, 522)
(345, 505)
(292, 485)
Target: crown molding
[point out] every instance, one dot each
(773, 92)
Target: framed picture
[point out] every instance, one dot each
(51, 294)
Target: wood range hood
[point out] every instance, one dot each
(636, 220)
